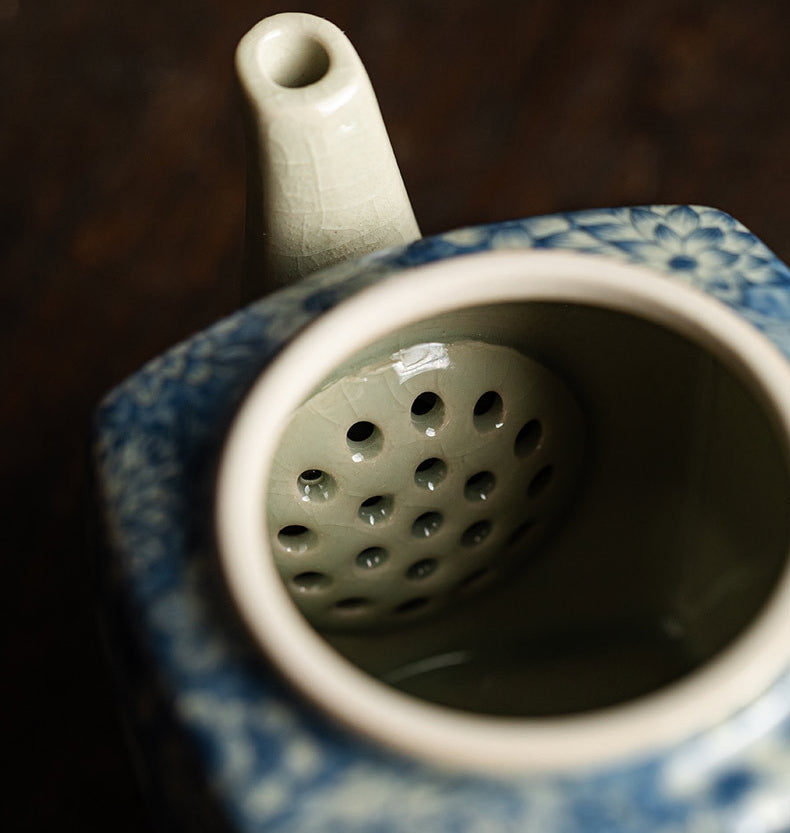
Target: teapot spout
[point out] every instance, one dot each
(323, 184)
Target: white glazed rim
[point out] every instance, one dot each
(435, 733)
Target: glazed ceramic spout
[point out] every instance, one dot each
(323, 183)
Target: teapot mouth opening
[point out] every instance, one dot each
(342, 674)
(292, 58)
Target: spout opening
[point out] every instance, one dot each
(293, 59)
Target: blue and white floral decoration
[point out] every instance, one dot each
(225, 744)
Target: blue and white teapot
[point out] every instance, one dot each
(485, 531)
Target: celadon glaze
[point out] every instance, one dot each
(405, 483)
(632, 573)
(323, 183)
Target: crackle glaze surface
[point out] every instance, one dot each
(419, 538)
(311, 108)
(208, 710)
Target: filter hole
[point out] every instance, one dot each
(520, 532)
(424, 403)
(430, 473)
(371, 558)
(375, 509)
(475, 534)
(311, 581)
(472, 578)
(540, 481)
(479, 486)
(426, 525)
(488, 412)
(422, 569)
(427, 413)
(412, 605)
(295, 538)
(360, 432)
(351, 603)
(364, 440)
(528, 438)
(314, 484)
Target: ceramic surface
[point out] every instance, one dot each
(413, 575)
(208, 709)
(323, 183)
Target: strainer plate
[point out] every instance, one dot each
(419, 479)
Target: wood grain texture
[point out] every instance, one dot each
(121, 232)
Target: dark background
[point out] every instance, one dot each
(122, 203)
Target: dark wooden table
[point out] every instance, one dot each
(122, 200)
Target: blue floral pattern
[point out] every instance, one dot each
(195, 683)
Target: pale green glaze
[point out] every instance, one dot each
(323, 185)
(656, 547)
(415, 481)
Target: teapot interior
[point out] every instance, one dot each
(671, 546)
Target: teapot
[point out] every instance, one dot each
(486, 530)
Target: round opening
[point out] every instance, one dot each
(411, 605)
(310, 581)
(473, 578)
(315, 485)
(475, 534)
(371, 558)
(364, 440)
(488, 412)
(479, 486)
(540, 481)
(692, 524)
(427, 525)
(422, 568)
(293, 59)
(528, 438)
(424, 404)
(429, 473)
(427, 413)
(375, 510)
(351, 604)
(360, 432)
(520, 531)
(295, 538)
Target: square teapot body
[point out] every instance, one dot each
(196, 680)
